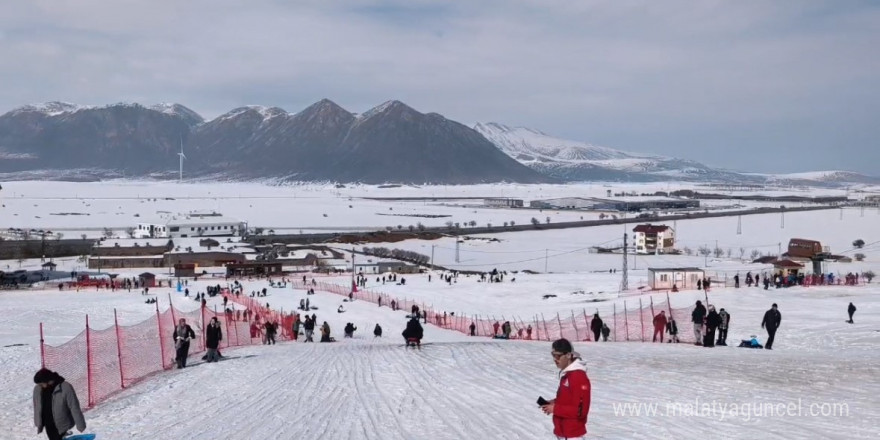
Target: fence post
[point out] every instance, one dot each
(119, 349)
(587, 323)
(161, 339)
(546, 333)
(625, 321)
(577, 334)
(42, 348)
(89, 363)
(559, 322)
(171, 307)
(642, 319)
(202, 337)
(615, 322)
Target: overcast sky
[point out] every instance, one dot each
(748, 85)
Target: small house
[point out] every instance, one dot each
(681, 277)
(147, 279)
(787, 267)
(50, 266)
(185, 269)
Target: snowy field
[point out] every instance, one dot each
(86, 208)
(458, 386)
(820, 379)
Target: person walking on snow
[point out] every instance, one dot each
(713, 320)
(722, 328)
(495, 327)
(213, 336)
(596, 326)
(851, 310)
(571, 406)
(473, 329)
(183, 333)
(772, 319)
(377, 332)
(697, 317)
(672, 329)
(56, 407)
(659, 326)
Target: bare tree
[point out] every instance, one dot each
(129, 231)
(107, 233)
(859, 257)
(755, 254)
(688, 251)
(742, 253)
(704, 250)
(868, 275)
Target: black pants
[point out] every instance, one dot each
(596, 335)
(771, 333)
(709, 339)
(270, 338)
(51, 430)
(850, 316)
(182, 353)
(722, 336)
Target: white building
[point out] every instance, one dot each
(651, 239)
(503, 202)
(681, 277)
(213, 225)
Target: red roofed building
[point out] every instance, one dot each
(651, 239)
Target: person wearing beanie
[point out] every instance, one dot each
(772, 319)
(572, 403)
(56, 407)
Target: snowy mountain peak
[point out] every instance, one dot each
(264, 112)
(522, 143)
(52, 108)
(385, 107)
(178, 110)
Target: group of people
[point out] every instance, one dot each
(706, 322)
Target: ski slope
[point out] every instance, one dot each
(458, 386)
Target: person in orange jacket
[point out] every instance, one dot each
(659, 326)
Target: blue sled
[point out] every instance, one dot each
(81, 437)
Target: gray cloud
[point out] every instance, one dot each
(763, 86)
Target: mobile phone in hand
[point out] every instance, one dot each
(542, 401)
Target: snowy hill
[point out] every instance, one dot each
(580, 161)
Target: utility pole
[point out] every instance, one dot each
(779, 251)
(739, 225)
(782, 225)
(624, 283)
(457, 241)
(432, 256)
(546, 254)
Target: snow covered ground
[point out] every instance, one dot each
(458, 386)
(87, 208)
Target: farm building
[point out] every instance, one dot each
(193, 225)
(653, 239)
(681, 277)
(503, 202)
(253, 268)
(593, 203)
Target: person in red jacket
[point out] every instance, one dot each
(572, 402)
(659, 326)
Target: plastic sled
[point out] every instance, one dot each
(81, 437)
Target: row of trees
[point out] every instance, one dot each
(398, 254)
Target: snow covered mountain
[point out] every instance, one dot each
(580, 161)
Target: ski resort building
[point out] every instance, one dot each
(193, 225)
(503, 202)
(654, 239)
(681, 277)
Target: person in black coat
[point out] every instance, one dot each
(713, 320)
(596, 326)
(772, 319)
(377, 332)
(697, 317)
(213, 336)
(851, 310)
(413, 331)
(183, 333)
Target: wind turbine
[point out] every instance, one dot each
(182, 157)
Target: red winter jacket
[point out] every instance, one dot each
(572, 402)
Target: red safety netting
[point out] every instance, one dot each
(99, 363)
